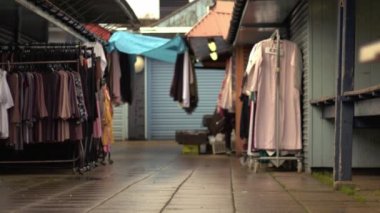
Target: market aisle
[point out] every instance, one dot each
(155, 177)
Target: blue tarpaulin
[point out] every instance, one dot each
(162, 49)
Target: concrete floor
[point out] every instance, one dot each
(156, 177)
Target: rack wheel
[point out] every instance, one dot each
(82, 170)
(75, 170)
(256, 166)
(250, 163)
(299, 166)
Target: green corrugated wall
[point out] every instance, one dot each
(323, 65)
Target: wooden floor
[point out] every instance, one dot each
(156, 177)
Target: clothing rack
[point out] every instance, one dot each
(254, 157)
(80, 154)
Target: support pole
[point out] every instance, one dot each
(344, 110)
(18, 21)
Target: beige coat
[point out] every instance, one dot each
(262, 80)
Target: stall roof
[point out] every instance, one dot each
(99, 31)
(254, 20)
(57, 16)
(99, 11)
(215, 23)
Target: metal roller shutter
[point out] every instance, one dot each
(299, 33)
(120, 122)
(164, 115)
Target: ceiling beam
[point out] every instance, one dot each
(51, 19)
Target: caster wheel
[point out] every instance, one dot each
(250, 163)
(299, 166)
(256, 166)
(82, 170)
(75, 170)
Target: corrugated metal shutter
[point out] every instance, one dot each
(299, 33)
(164, 115)
(120, 122)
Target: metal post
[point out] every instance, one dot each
(344, 110)
(17, 30)
(278, 102)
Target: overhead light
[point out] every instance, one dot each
(213, 49)
(214, 56)
(212, 45)
(139, 64)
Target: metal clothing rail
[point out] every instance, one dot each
(39, 46)
(80, 156)
(254, 158)
(40, 62)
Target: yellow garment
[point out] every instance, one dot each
(107, 137)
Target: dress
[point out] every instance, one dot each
(107, 137)
(6, 102)
(262, 80)
(14, 112)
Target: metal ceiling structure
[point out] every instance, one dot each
(254, 20)
(57, 16)
(19, 24)
(28, 20)
(99, 11)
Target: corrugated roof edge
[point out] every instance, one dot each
(54, 11)
(235, 20)
(129, 11)
(215, 11)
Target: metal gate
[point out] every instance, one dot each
(120, 122)
(164, 115)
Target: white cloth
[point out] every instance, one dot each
(186, 81)
(6, 102)
(99, 52)
(261, 71)
(226, 97)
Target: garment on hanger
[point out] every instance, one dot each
(261, 79)
(49, 107)
(127, 68)
(184, 83)
(226, 97)
(6, 102)
(97, 127)
(116, 76)
(193, 89)
(14, 112)
(177, 82)
(244, 118)
(107, 114)
(99, 53)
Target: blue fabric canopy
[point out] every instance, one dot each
(153, 47)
